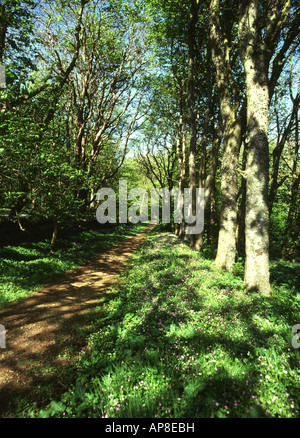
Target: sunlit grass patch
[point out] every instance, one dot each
(27, 267)
(181, 339)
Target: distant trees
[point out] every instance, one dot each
(246, 46)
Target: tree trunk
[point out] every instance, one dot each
(232, 138)
(54, 235)
(198, 240)
(240, 244)
(3, 30)
(295, 240)
(210, 182)
(226, 252)
(289, 228)
(295, 190)
(192, 85)
(212, 235)
(257, 167)
(181, 157)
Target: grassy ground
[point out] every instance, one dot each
(180, 340)
(27, 267)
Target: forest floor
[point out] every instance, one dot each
(44, 331)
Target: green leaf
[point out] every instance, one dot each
(45, 414)
(79, 391)
(57, 407)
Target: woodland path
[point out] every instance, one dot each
(40, 327)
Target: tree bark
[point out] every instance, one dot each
(257, 167)
(192, 107)
(54, 234)
(291, 226)
(240, 244)
(3, 29)
(226, 252)
(210, 182)
(181, 157)
(203, 179)
(292, 229)
(295, 240)
(232, 124)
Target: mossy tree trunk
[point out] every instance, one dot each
(257, 166)
(226, 252)
(231, 114)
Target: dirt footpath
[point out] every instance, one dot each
(35, 326)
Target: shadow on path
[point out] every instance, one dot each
(39, 328)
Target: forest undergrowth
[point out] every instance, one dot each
(180, 339)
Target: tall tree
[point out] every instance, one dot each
(191, 101)
(259, 34)
(232, 109)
